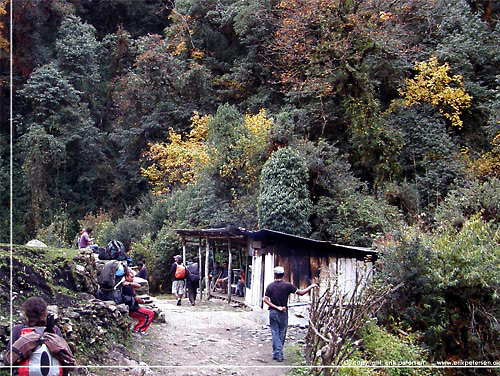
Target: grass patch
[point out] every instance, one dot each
(295, 356)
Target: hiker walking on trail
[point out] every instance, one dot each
(276, 297)
(26, 351)
(178, 273)
(192, 280)
(143, 315)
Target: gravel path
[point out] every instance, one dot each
(211, 338)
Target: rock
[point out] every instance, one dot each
(80, 269)
(122, 308)
(142, 370)
(36, 244)
(73, 315)
(53, 309)
(144, 289)
(162, 318)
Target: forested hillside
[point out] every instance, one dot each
(361, 122)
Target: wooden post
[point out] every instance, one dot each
(184, 251)
(207, 258)
(199, 265)
(229, 271)
(184, 262)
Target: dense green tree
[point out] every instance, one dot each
(139, 17)
(18, 200)
(77, 52)
(429, 158)
(284, 203)
(344, 211)
(472, 48)
(162, 92)
(43, 162)
(47, 94)
(57, 114)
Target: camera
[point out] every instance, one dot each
(51, 322)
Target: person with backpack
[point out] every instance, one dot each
(192, 280)
(38, 347)
(178, 273)
(110, 281)
(143, 315)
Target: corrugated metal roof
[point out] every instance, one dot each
(265, 234)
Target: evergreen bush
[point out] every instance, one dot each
(284, 203)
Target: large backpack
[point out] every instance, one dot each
(106, 279)
(116, 250)
(180, 271)
(108, 289)
(39, 353)
(192, 272)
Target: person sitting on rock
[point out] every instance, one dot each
(142, 272)
(143, 315)
(85, 241)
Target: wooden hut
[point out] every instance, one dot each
(258, 252)
(305, 261)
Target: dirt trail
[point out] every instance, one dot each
(212, 338)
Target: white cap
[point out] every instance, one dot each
(279, 270)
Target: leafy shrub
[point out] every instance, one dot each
(98, 222)
(166, 245)
(142, 250)
(126, 230)
(59, 232)
(464, 202)
(450, 293)
(380, 345)
(355, 219)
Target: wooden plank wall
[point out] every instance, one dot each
(257, 293)
(268, 270)
(303, 267)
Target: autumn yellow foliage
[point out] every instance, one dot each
(488, 164)
(180, 160)
(433, 85)
(4, 43)
(249, 148)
